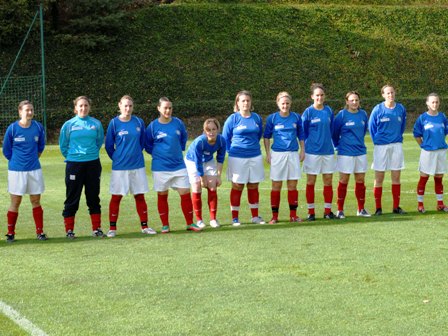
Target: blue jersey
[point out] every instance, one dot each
(201, 151)
(349, 130)
(285, 131)
(125, 141)
(318, 126)
(81, 139)
(242, 135)
(22, 146)
(387, 125)
(165, 142)
(433, 130)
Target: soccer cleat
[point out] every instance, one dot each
(273, 221)
(378, 212)
(41, 236)
(399, 211)
(340, 214)
(193, 227)
(214, 223)
(311, 218)
(200, 224)
(330, 216)
(111, 233)
(258, 220)
(363, 213)
(10, 238)
(296, 219)
(70, 234)
(236, 222)
(421, 209)
(98, 233)
(442, 207)
(165, 229)
(149, 231)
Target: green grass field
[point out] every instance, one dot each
(358, 276)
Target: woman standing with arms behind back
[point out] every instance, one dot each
(242, 132)
(430, 131)
(80, 142)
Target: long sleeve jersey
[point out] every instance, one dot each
(349, 130)
(285, 131)
(166, 142)
(81, 139)
(317, 127)
(433, 130)
(242, 135)
(387, 125)
(125, 141)
(201, 151)
(22, 146)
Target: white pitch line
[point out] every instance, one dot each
(20, 320)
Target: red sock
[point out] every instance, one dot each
(38, 215)
(187, 207)
(235, 200)
(114, 208)
(12, 220)
(328, 198)
(438, 188)
(360, 193)
(162, 207)
(96, 221)
(396, 191)
(142, 209)
(253, 198)
(69, 223)
(293, 201)
(377, 194)
(212, 199)
(342, 193)
(421, 189)
(310, 198)
(275, 203)
(197, 205)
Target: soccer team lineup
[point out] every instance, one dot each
(293, 143)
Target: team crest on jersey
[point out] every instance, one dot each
(138, 128)
(363, 122)
(294, 125)
(123, 132)
(161, 135)
(20, 138)
(93, 127)
(177, 132)
(36, 138)
(315, 120)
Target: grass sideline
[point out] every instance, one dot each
(355, 276)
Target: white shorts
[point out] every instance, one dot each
(388, 157)
(245, 170)
(132, 181)
(210, 169)
(164, 180)
(352, 164)
(432, 162)
(26, 182)
(285, 166)
(319, 164)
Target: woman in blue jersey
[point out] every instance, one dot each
(349, 130)
(242, 132)
(430, 131)
(204, 171)
(125, 141)
(166, 138)
(387, 123)
(23, 143)
(317, 122)
(80, 141)
(285, 128)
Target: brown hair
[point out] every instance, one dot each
(315, 86)
(23, 103)
(238, 95)
(162, 100)
(432, 94)
(386, 86)
(77, 99)
(128, 97)
(214, 121)
(348, 94)
(282, 95)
